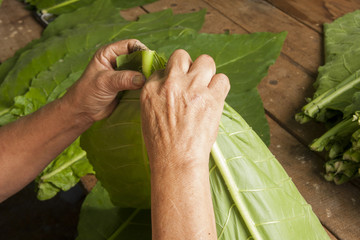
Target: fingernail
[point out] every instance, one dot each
(139, 46)
(138, 80)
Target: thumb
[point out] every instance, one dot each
(126, 80)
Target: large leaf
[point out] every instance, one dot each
(342, 52)
(55, 49)
(99, 11)
(252, 194)
(100, 219)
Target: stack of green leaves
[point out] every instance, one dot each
(337, 98)
(253, 197)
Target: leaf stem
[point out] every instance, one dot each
(234, 191)
(124, 225)
(60, 5)
(342, 130)
(312, 108)
(80, 156)
(3, 112)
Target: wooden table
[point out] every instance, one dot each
(283, 91)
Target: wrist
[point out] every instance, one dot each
(73, 116)
(179, 166)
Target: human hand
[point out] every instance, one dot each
(181, 110)
(94, 94)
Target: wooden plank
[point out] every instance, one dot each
(315, 13)
(17, 28)
(338, 207)
(215, 22)
(283, 93)
(132, 14)
(302, 44)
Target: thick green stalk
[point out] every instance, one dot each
(341, 131)
(223, 167)
(60, 5)
(345, 89)
(147, 62)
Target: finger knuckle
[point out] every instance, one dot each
(99, 56)
(207, 58)
(181, 52)
(224, 80)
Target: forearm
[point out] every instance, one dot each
(29, 144)
(181, 204)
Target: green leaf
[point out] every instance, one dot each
(149, 61)
(337, 98)
(338, 78)
(87, 38)
(63, 172)
(58, 7)
(341, 132)
(342, 52)
(268, 203)
(100, 219)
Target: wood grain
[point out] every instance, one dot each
(302, 43)
(215, 22)
(315, 13)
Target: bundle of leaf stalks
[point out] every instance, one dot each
(336, 101)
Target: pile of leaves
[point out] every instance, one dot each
(253, 196)
(336, 101)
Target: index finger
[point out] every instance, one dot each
(105, 57)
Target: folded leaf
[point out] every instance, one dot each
(250, 187)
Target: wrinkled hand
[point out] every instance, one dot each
(181, 110)
(94, 94)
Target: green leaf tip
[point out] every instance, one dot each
(145, 61)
